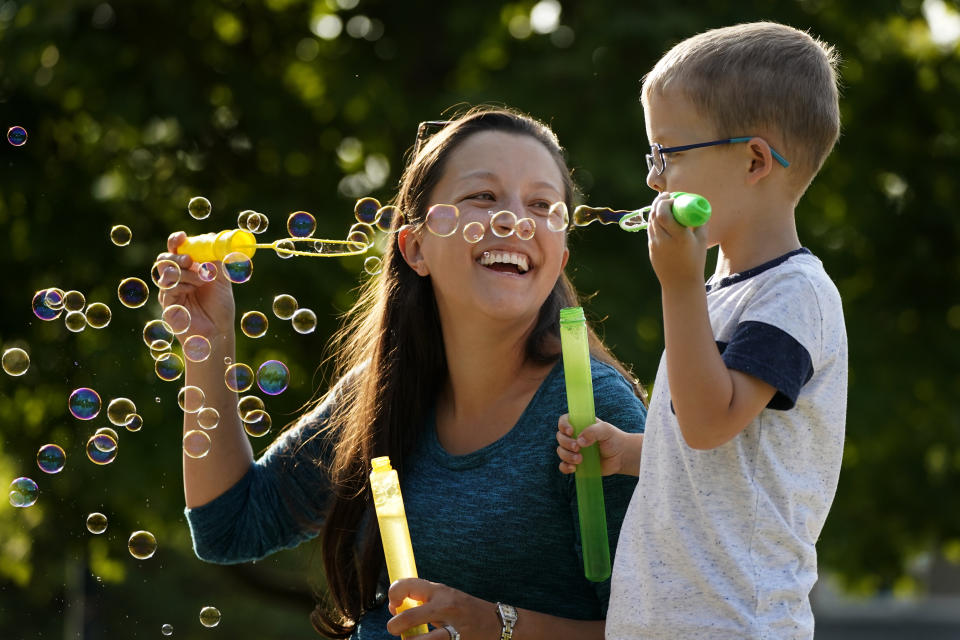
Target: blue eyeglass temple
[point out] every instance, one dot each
(776, 156)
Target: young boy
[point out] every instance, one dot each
(745, 430)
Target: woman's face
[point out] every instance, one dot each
(502, 278)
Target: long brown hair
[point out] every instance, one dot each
(392, 361)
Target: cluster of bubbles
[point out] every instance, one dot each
(443, 220)
(286, 307)
(17, 136)
(53, 302)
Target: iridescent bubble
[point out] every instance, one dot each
(106, 446)
(366, 210)
(15, 361)
(169, 367)
(388, 218)
(196, 348)
(301, 224)
(238, 377)
(23, 492)
(209, 616)
(237, 267)
(284, 305)
(258, 423)
(142, 545)
(17, 136)
(40, 308)
(526, 228)
(208, 418)
(73, 300)
(165, 274)
(104, 441)
(177, 318)
(207, 271)
(362, 233)
(120, 411)
(96, 523)
(120, 235)
(133, 292)
(284, 248)
(157, 335)
(558, 218)
(473, 232)
(156, 354)
(253, 324)
(196, 443)
(51, 458)
(257, 223)
(98, 315)
(84, 404)
(53, 298)
(102, 449)
(167, 629)
(373, 265)
(199, 207)
(135, 423)
(304, 321)
(75, 321)
(191, 399)
(442, 220)
(242, 218)
(273, 377)
(503, 223)
(248, 404)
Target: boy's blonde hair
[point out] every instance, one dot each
(759, 78)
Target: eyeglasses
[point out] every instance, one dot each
(425, 130)
(656, 159)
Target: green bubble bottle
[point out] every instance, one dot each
(589, 480)
(392, 517)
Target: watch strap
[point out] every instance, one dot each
(508, 619)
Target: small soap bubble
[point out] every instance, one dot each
(40, 308)
(199, 207)
(284, 306)
(73, 300)
(103, 441)
(98, 315)
(17, 136)
(142, 545)
(167, 629)
(165, 274)
(273, 377)
(503, 223)
(257, 223)
(169, 367)
(196, 348)
(120, 411)
(248, 404)
(237, 267)
(473, 232)
(253, 324)
(366, 210)
(258, 423)
(558, 217)
(157, 335)
(196, 443)
(75, 321)
(207, 271)
(301, 224)
(388, 218)
(191, 399)
(442, 220)
(373, 265)
(284, 248)
(101, 449)
(53, 298)
(362, 233)
(135, 423)
(242, 218)
(120, 235)
(304, 321)
(177, 318)
(227, 361)
(209, 616)
(84, 403)
(23, 492)
(208, 418)
(133, 292)
(108, 431)
(96, 523)
(238, 377)
(15, 361)
(526, 228)
(156, 354)
(51, 458)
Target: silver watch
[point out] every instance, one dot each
(508, 618)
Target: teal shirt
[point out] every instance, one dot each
(499, 523)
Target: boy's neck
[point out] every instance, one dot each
(758, 239)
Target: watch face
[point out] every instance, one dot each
(508, 613)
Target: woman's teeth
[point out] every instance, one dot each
(489, 258)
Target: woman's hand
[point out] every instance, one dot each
(473, 618)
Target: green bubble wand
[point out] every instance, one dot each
(689, 209)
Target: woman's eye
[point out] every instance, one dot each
(541, 207)
(480, 196)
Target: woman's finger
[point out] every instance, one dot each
(175, 239)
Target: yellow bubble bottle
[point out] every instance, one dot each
(397, 548)
(214, 247)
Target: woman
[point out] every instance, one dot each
(450, 365)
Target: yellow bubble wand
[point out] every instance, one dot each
(218, 246)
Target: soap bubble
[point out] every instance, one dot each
(40, 308)
(257, 223)
(237, 267)
(23, 492)
(503, 223)
(304, 321)
(361, 233)
(177, 318)
(366, 210)
(196, 444)
(51, 458)
(373, 265)
(526, 228)
(247, 404)
(98, 315)
(101, 448)
(120, 235)
(253, 324)
(120, 410)
(165, 274)
(238, 377)
(157, 335)
(284, 305)
(15, 361)
(207, 271)
(17, 136)
(442, 220)
(388, 218)
(273, 377)
(473, 232)
(191, 399)
(84, 403)
(169, 367)
(133, 292)
(134, 423)
(163, 350)
(73, 300)
(209, 616)
(284, 248)
(257, 423)
(558, 217)
(75, 321)
(167, 629)
(242, 218)
(199, 207)
(196, 348)
(208, 418)
(96, 523)
(105, 440)
(53, 298)
(142, 545)
(301, 224)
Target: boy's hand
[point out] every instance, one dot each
(678, 253)
(619, 451)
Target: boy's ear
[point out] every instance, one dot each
(409, 243)
(761, 160)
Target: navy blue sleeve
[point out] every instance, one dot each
(772, 355)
